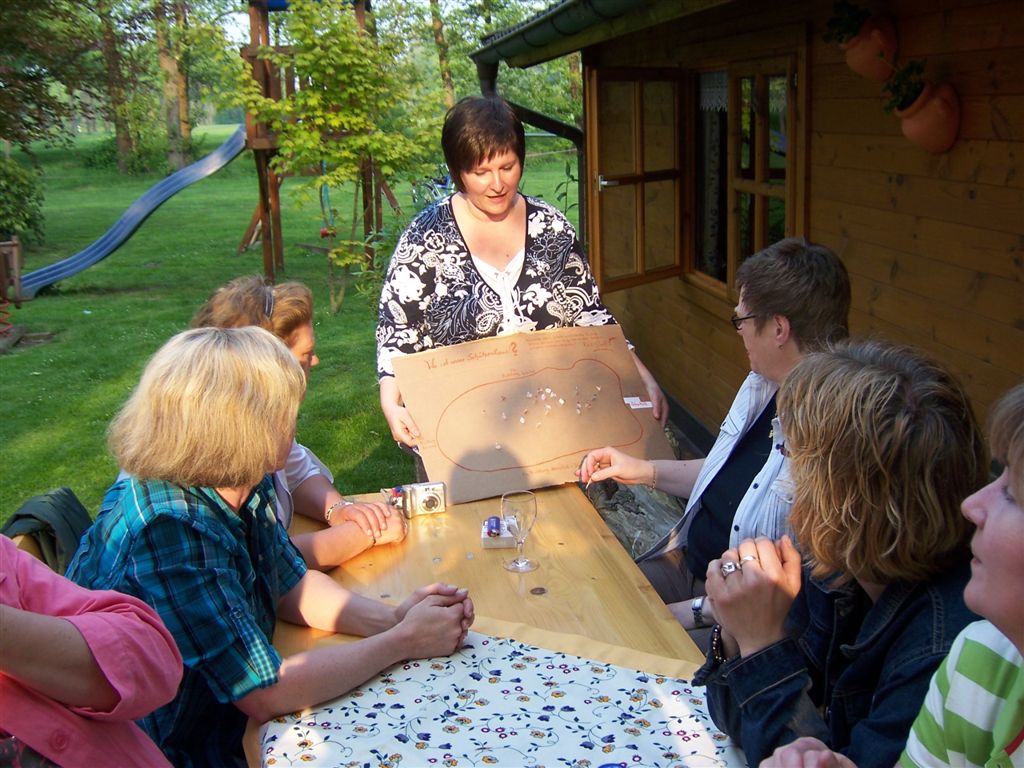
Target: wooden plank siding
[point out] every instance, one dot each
(934, 244)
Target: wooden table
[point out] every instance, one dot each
(586, 584)
(586, 589)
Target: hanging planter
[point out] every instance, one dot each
(932, 121)
(871, 53)
(929, 114)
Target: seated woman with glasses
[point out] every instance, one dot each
(837, 636)
(192, 532)
(794, 298)
(304, 485)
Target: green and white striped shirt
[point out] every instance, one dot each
(973, 714)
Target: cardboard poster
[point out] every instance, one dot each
(518, 412)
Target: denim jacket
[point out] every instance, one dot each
(851, 673)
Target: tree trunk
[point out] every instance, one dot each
(169, 97)
(117, 103)
(437, 25)
(174, 98)
(184, 107)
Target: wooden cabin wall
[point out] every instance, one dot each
(934, 244)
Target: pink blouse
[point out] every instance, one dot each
(132, 647)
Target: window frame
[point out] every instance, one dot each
(638, 76)
(787, 54)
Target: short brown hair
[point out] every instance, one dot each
(884, 447)
(1006, 434)
(804, 282)
(476, 129)
(281, 309)
(210, 409)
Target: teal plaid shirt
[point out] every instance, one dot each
(215, 578)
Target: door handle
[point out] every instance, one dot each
(602, 182)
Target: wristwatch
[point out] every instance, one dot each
(697, 606)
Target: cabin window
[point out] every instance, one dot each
(742, 120)
(690, 171)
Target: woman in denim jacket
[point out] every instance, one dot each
(841, 646)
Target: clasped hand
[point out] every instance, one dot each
(439, 617)
(752, 601)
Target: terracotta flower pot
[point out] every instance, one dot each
(933, 120)
(872, 52)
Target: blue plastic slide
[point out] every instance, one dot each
(132, 219)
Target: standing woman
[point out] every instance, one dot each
(882, 446)
(484, 262)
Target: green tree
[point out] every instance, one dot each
(45, 48)
(349, 114)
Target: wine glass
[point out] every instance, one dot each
(519, 508)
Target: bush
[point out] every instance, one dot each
(148, 157)
(21, 201)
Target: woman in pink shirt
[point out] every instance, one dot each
(77, 666)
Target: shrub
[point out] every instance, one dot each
(21, 201)
(150, 155)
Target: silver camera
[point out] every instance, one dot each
(417, 499)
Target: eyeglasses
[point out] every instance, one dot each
(737, 322)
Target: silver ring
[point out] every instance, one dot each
(747, 558)
(730, 567)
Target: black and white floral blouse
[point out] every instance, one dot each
(435, 296)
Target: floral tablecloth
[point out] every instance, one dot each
(502, 702)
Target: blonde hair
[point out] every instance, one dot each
(883, 447)
(1006, 433)
(281, 309)
(211, 409)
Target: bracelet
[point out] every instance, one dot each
(330, 510)
(717, 651)
(654, 474)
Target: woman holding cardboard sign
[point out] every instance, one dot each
(485, 261)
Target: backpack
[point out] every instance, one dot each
(56, 520)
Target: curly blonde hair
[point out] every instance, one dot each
(1006, 434)
(281, 309)
(883, 447)
(211, 409)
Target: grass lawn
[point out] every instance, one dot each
(57, 398)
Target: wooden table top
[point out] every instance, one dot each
(586, 583)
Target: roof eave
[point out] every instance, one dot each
(577, 24)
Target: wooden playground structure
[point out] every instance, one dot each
(276, 83)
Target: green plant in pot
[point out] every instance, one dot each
(905, 85)
(845, 22)
(929, 114)
(869, 41)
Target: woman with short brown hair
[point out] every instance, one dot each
(882, 445)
